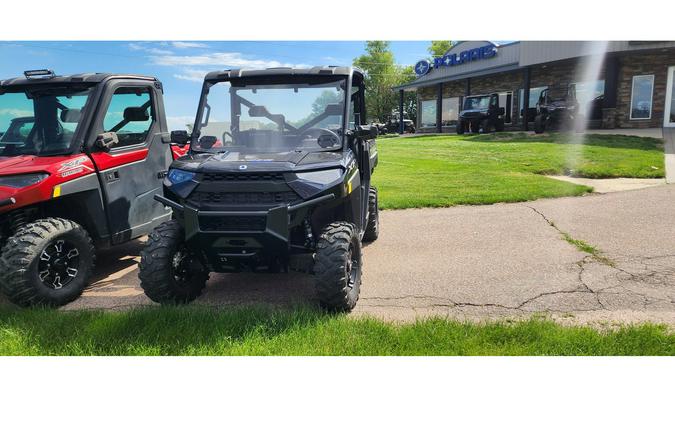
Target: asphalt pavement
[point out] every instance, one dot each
(476, 263)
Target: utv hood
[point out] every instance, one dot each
(7, 162)
(229, 161)
(474, 113)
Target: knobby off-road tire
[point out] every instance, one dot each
(485, 126)
(539, 125)
(373, 226)
(169, 273)
(460, 128)
(475, 127)
(337, 267)
(47, 262)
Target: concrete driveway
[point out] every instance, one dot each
(478, 262)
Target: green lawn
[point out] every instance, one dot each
(196, 330)
(439, 171)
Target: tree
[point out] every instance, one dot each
(319, 105)
(439, 48)
(382, 74)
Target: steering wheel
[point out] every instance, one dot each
(326, 138)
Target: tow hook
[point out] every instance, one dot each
(8, 201)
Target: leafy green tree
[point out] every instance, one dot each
(382, 74)
(439, 48)
(319, 105)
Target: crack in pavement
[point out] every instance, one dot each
(583, 287)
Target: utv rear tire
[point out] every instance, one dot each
(485, 126)
(460, 128)
(169, 273)
(539, 124)
(373, 226)
(47, 262)
(337, 267)
(499, 125)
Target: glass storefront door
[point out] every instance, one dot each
(669, 117)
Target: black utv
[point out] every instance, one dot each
(481, 113)
(556, 113)
(278, 178)
(393, 124)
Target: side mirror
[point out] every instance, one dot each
(502, 111)
(366, 132)
(179, 137)
(107, 140)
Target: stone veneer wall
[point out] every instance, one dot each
(643, 64)
(558, 75)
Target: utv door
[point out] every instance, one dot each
(131, 172)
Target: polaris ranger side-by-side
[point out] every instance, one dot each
(81, 158)
(481, 113)
(557, 113)
(278, 177)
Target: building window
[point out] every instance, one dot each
(534, 99)
(450, 111)
(591, 98)
(641, 97)
(428, 113)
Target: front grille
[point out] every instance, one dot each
(233, 223)
(243, 198)
(243, 177)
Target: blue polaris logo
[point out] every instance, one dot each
(453, 59)
(422, 67)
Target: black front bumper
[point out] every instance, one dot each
(232, 240)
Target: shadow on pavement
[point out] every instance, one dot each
(290, 289)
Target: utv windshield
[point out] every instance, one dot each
(476, 103)
(40, 121)
(268, 117)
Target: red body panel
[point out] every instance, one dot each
(105, 160)
(60, 170)
(178, 151)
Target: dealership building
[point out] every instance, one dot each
(618, 84)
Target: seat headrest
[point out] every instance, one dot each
(71, 115)
(136, 114)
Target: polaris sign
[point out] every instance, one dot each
(453, 59)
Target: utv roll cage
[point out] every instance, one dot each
(239, 78)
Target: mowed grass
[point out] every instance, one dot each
(441, 171)
(263, 331)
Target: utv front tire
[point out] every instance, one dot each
(169, 273)
(373, 226)
(460, 128)
(337, 267)
(539, 126)
(47, 262)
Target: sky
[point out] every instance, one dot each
(180, 65)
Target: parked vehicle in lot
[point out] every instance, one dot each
(381, 128)
(394, 123)
(80, 160)
(556, 113)
(293, 194)
(481, 113)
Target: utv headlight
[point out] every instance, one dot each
(322, 177)
(177, 176)
(22, 180)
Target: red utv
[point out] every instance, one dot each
(81, 158)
